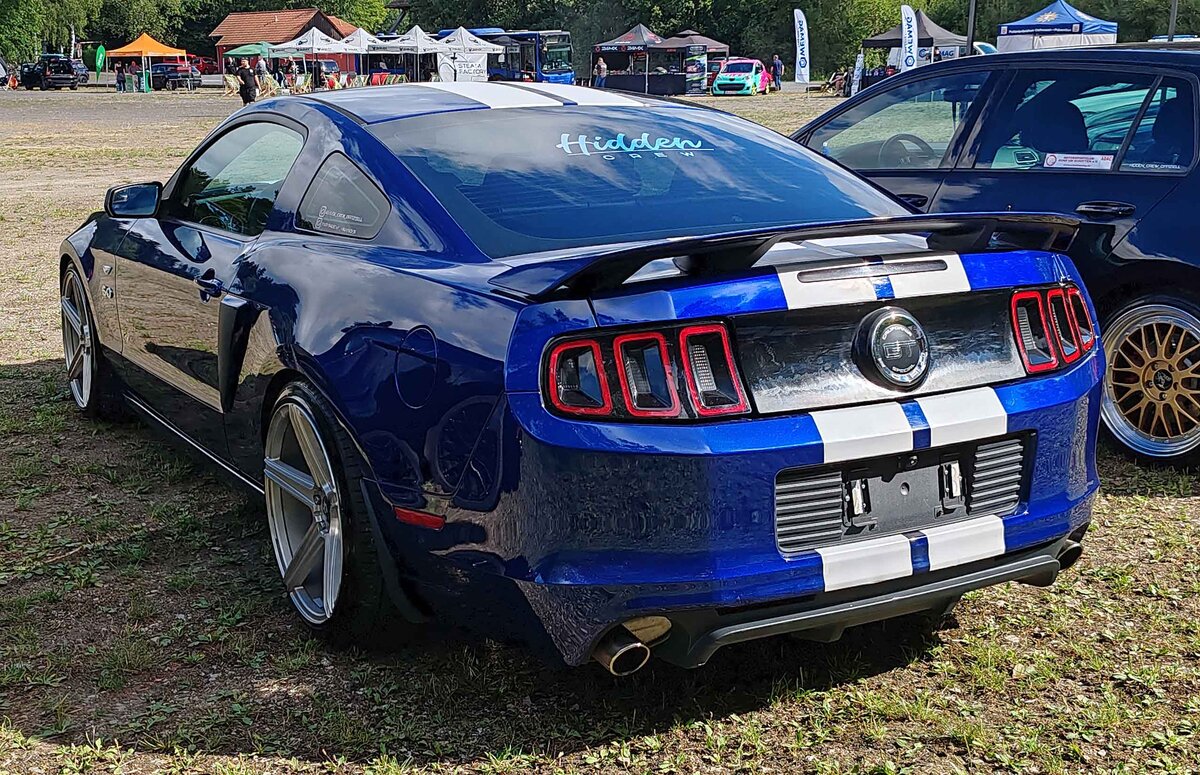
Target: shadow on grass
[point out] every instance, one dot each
(195, 647)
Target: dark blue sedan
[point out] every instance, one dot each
(1108, 134)
(599, 373)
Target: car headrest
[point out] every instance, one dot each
(1053, 126)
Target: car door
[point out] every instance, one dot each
(175, 271)
(1079, 141)
(904, 137)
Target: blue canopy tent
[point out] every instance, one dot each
(1058, 25)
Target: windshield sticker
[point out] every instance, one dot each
(1078, 161)
(582, 145)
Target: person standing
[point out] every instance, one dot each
(777, 71)
(248, 90)
(135, 70)
(600, 74)
(119, 73)
(260, 69)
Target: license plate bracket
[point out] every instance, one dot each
(904, 493)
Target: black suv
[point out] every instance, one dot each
(55, 73)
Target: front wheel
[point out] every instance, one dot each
(1151, 399)
(319, 523)
(89, 379)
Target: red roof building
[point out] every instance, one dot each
(274, 27)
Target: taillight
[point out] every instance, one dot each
(577, 380)
(653, 371)
(1052, 327)
(712, 377)
(1081, 317)
(1066, 338)
(647, 379)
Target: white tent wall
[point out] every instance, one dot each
(463, 66)
(1031, 42)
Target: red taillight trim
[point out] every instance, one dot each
(575, 344)
(1074, 330)
(420, 518)
(627, 394)
(1046, 326)
(1072, 294)
(693, 392)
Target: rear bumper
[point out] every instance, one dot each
(589, 525)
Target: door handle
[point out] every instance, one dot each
(210, 287)
(1106, 209)
(916, 200)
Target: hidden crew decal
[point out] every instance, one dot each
(598, 145)
(331, 220)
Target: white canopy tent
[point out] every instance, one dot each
(311, 43)
(467, 60)
(415, 41)
(360, 41)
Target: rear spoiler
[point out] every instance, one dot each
(543, 276)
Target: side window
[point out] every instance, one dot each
(343, 201)
(908, 127)
(234, 183)
(1066, 119)
(1165, 139)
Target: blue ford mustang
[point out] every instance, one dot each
(599, 373)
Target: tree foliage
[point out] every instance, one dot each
(754, 28)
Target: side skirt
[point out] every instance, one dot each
(157, 420)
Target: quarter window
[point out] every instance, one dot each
(908, 127)
(343, 201)
(1063, 120)
(234, 183)
(1165, 140)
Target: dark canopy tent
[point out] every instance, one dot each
(621, 55)
(929, 34)
(691, 38)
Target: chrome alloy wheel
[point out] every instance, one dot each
(304, 511)
(1152, 391)
(77, 339)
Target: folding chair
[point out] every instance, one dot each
(231, 86)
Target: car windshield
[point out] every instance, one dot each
(537, 179)
(739, 67)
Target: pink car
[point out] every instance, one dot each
(742, 76)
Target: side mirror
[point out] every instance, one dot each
(139, 200)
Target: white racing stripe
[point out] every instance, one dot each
(865, 562)
(584, 96)
(863, 431)
(963, 542)
(964, 416)
(826, 293)
(495, 95)
(952, 279)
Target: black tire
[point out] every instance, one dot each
(74, 87)
(364, 615)
(1175, 440)
(104, 400)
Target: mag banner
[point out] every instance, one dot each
(695, 68)
(802, 57)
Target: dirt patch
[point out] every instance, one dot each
(142, 628)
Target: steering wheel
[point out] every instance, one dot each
(904, 157)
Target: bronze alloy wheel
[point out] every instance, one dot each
(1152, 393)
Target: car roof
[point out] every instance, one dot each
(386, 103)
(1181, 54)
(739, 59)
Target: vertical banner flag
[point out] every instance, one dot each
(859, 63)
(695, 69)
(908, 38)
(802, 71)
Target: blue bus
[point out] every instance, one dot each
(529, 55)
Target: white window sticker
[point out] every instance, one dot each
(1078, 161)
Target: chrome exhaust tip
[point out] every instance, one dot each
(620, 652)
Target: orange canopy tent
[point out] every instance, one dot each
(145, 47)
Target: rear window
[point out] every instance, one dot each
(533, 179)
(61, 68)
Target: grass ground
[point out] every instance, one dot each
(142, 627)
